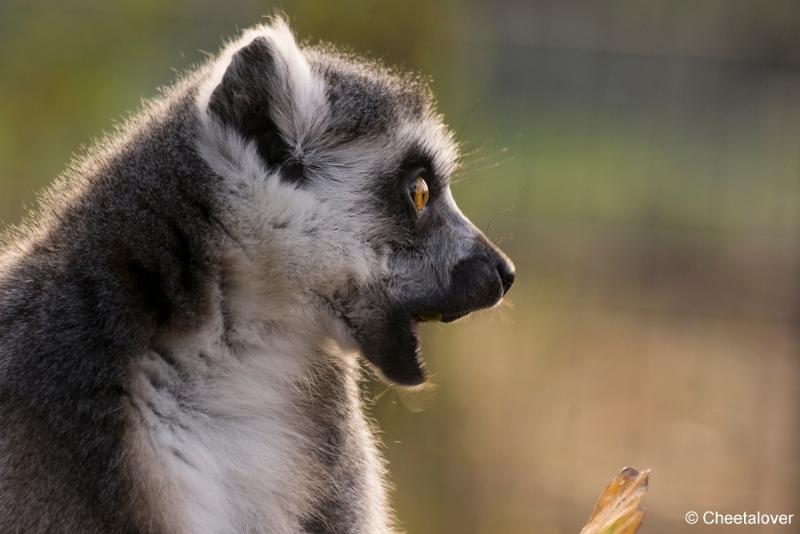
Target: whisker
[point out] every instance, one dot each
(489, 225)
(487, 156)
(497, 214)
(471, 171)
(469, 116)
(469, 152)
(504, 238)
(378, 396)
(502, 311)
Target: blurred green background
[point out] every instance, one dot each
(640, 162)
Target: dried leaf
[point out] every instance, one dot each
(617, 510)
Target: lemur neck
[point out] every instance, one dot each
(256, 419)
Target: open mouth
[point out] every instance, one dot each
(388, 334)
(389, 338)
(394, 346)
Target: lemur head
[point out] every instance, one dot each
(339, 173)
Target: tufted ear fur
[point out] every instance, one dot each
(269, 95)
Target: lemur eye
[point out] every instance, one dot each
(420, 194)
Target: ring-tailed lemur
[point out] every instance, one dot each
(180, 325)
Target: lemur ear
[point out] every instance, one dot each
(245, 99)
(246, 84)
(269, 95)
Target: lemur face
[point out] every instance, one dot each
(346, 167)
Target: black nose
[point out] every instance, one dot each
(506, 271)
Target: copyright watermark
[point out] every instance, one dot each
(713, 517)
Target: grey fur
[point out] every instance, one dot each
(124, 306)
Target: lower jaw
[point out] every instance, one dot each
(444, 318)
(449, 318)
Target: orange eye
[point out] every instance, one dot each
(421, 194)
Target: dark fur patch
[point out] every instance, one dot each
(366, 98)
(245, 99)
(93, 291)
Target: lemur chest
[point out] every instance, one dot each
(238, 433)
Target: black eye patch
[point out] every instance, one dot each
(418, 163)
